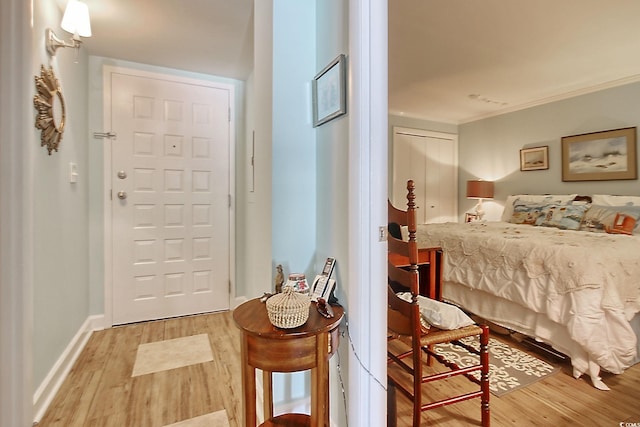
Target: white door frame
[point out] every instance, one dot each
(368, 170)
(16, 213)
(108, 233)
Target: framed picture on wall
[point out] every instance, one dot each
(330, 92)
(600, 156)
(533, 159)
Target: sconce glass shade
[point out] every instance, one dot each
(478, 189)
(76, 19)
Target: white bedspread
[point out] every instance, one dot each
(588, 282)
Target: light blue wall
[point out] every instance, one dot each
(490, 148)
(332, 148)
(257, 261)
(293, 161)
(61, 218)
(309, 165)
(293, 158)
(332, 164)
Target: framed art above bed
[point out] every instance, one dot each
(600, 156)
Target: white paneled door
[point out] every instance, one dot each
(430, 159)
(170, 198)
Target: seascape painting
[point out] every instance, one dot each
(600, 155)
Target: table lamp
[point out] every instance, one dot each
(478, 189)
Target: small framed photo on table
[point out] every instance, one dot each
(470, 217)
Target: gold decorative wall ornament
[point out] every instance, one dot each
(49, 103)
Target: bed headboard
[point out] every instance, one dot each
(580, 198)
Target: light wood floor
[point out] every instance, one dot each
(557, 400)
(100, 391)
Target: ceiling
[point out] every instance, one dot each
(204, 36)
(451, 61)
(460, 60)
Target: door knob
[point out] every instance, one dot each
(122, 174)
(122, 195)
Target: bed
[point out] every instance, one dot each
(566, 278)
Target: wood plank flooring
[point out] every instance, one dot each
(557, 400)
(100, 391)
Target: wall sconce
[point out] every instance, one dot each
(478, 189)
(74, 21)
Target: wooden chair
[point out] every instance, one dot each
(409, 340)
(428, 258)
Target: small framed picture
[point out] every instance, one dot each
(533, 159)
(329, 92)
(470, 217)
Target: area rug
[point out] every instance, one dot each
(171, 354)
(214, 419)
(510, 368)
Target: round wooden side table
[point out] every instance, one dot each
(273, 349)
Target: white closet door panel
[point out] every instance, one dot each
(430, 160)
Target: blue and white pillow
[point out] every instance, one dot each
(564, 217)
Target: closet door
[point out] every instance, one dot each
(430, 159)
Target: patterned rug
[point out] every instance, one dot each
(214, 419)
(510, 368)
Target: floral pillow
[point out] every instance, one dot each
(526, 213)
(564, 217)
(599, 219)
(540, 199)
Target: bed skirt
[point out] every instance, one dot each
(515, 317)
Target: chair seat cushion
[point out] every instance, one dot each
(439, 314)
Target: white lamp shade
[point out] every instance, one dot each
(76, 19)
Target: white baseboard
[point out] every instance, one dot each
(239, 300)
(47, 390)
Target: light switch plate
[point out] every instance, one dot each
(73, 173)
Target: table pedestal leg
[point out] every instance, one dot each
(249, 388)
(267, 388)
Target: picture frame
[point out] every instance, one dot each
(330, 92)
(470, 217)
(535, 158)
(600, 156)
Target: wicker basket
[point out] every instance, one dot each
(288, 309)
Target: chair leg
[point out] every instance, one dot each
(484, 376)
(391, 404)
(417, 385)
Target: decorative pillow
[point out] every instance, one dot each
(564, 217)
(439, 314)
(607, 200)
(534, 198)
(600, 218)
(526, 213)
